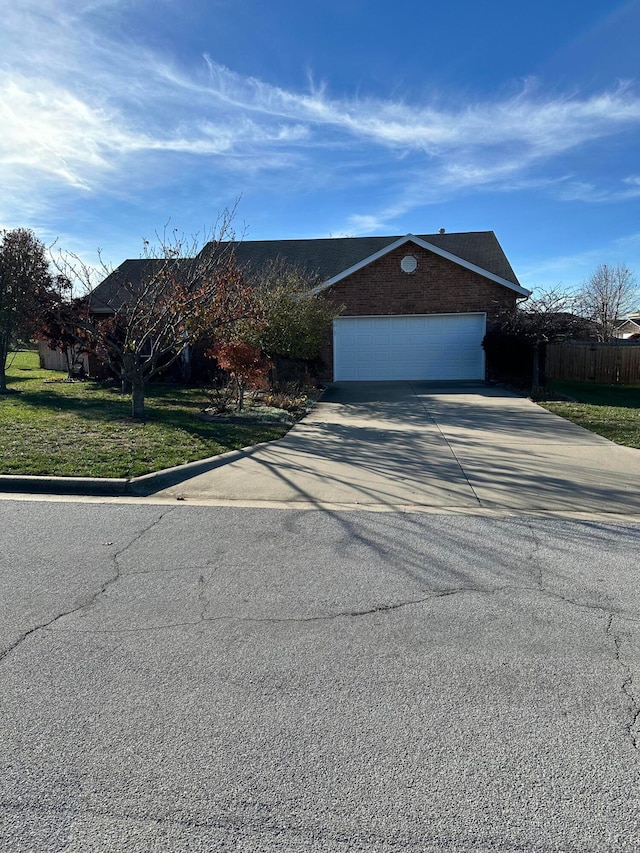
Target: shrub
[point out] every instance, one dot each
(246, 365)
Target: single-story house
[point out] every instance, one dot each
(412, 307)
(627, 328)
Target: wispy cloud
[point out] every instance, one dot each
(84, 111)
(627, 190)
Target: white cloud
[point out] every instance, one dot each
(49, 130)
(84, 111)
(550, 125)
(589, 192)
(363, 224)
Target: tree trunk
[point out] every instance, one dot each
(4, 351)
(132, 373)
(137, 397)
(69, 363)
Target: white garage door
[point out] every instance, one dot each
(429, 346)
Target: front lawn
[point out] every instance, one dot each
(612, 411)
(83, 429)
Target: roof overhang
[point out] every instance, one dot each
(411, 238)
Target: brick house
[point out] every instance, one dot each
(412, 307)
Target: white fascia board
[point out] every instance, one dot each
(411, 238)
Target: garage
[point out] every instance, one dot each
(404, 347)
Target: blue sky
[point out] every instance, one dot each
(335, 117)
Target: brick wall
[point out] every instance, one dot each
(438, 286)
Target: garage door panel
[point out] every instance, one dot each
(446, 346)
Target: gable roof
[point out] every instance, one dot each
(333, 258)
(496, 258)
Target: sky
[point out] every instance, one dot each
(326, 118)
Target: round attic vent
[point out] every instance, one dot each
(409, 264)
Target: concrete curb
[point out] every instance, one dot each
(147, 484)
(63, 485)
(138, 487)
(142, 486)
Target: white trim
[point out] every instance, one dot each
(429, 247)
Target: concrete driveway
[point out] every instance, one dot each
(416, 445)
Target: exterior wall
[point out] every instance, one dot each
(51, 359)
(438, 286)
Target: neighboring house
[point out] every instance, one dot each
(412, 307)
(627, 329)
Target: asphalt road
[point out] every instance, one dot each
(179, 678)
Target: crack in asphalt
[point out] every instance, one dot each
(204, 603)
(534, 557)
(91, 599)
(633, 726)
(627, 686)
(278, 620)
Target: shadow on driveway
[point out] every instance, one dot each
(400, 444)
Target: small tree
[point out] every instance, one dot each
(141, 319)
(26, 288)
(606, 296)
(245, 363)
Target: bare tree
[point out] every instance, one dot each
(146, 314)
(606, 296)
(516, 344)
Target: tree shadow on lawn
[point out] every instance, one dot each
(84, 407)
(180, 416)
(12, 379)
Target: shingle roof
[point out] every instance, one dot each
(328, 257)
(109, 295)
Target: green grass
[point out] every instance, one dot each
(612, 411)
(83, 429)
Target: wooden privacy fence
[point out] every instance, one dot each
(582, 362)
